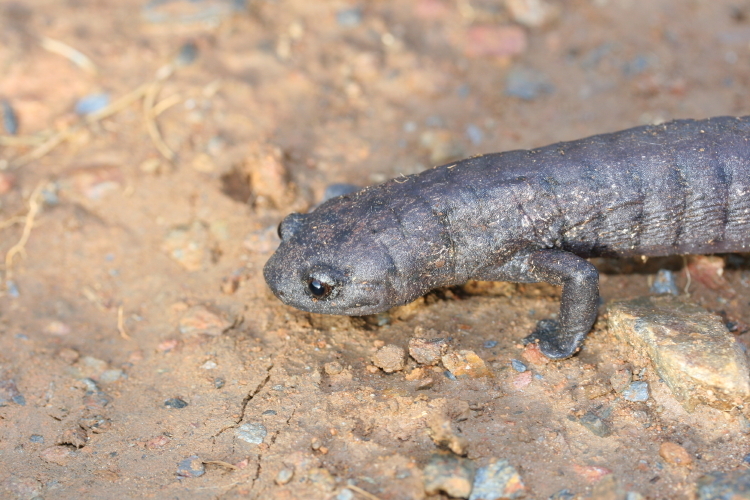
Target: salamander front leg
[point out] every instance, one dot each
(578, 305)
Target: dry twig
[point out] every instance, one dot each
(65, 50)
(121, 324)
(19, 248)
(362, 492)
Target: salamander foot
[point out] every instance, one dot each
(552, 342)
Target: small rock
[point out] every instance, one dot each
(442, 146)
(191, 466)
(518, 365)
(390, 358)
(709, 270)
(157, 442)
(595, 424)
(345, 494)
(58, 455)
(96, 424)
(349, 17)
(591, 473)
(449, 474)
(91, 104)
(465, 363)
(674, 454)
(608, 489)
(428, 351)
(284, 476)
(621, 379)
(75, 436)
(691, 349)
(636, 392)
(733, 485)
(9, 393)
(665, 283)
(268, 177)
(333, 368)
(175, 403)
(596, 390)
(533, 355)
(23, 487)
(496, 41)
(252, 433)
(497, 480)
(7, 182)
(532, 13)
(93, 182)
(57, 328)
(527, 84)
(442, 433)
(36, 438)
(189, 246)
(564, 494)
(9, 118)
(200, 320)
(109, 376)
(322, 478)
(522, 380)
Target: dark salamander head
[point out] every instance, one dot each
(334, 261)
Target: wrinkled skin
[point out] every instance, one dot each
(524, 216)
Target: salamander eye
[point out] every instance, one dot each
(319, 289)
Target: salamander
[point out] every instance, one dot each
(525, 216)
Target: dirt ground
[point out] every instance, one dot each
(141, 353)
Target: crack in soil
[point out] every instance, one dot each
(254, 393)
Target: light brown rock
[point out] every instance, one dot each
(390, 358)
(690, 348)
(466, 364)
(674, 454)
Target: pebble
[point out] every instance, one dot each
(636, 391)
(75, 436)
(428, 351)
(621, 379)
(449, 474)
(191, 466)
(322, 478)
(390, 358)
(157, 442)
(474, 134)
(490, 344)
(192, 11)
(664, 283)
(442, 434)
(349, 18)
(496, 41)
(518, 365)
(595, 424)
(734, 485)
(532, 13)
(252, 433)
(268, 178)
(10, 120)
(497, 480)
(58, 455)
(522, 380)
(96, 424)
(527, 84)
(188, 245)
(284, 476)
(709, 270)
(23, 488)
(591, 473)
(175, 403)
(674, 454)
(691, 349)
(36, 438)
(200, 320)
(187, 54)
(9, 393)
(333, 368)
(93, 182)
(345, 494)
(564, 494)
(442, 146)
(91, 104)
(466, 364)
(608, 489)
(533, 355)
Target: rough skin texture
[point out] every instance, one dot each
(682, 187)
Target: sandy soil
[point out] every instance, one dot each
(139, 287)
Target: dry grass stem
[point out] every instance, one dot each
(65, 50)
(35, 206)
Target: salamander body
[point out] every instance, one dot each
(682, 187)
